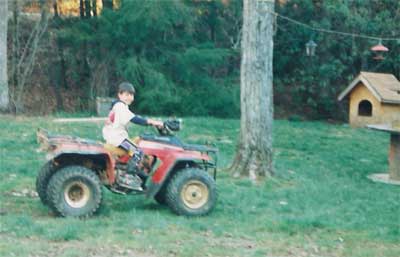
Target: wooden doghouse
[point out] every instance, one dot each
(374, 98)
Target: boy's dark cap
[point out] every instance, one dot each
(126, 87)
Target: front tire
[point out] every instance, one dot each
(160, 197)
(74, 191)
(191, 192)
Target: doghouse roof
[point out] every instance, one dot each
(385, 87)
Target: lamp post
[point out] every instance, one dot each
(310, 48)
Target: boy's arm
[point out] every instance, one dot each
(143, 121)
(139, 120)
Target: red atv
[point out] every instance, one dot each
(70, 183)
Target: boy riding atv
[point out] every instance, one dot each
(157, 166)
(115, 133)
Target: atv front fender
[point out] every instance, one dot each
(167, 169)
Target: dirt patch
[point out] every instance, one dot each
(43, 248)
(23, 193)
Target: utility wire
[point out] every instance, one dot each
(333, 31)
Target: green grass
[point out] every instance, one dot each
(319, 203)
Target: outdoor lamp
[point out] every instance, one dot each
(310, 48)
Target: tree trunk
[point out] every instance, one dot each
(15, 70)
(94, 8)
(254, 152)
(55, 8)
(4, 98)
(63, 65)
(55, 81)
(212, 20)
(108, 4)
(88, 9)
(57, 68)
(84, 72)
(81, 9)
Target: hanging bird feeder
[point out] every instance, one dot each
(310, 48)
(379, 51)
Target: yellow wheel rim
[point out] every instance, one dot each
(77, 194)
(194, 194)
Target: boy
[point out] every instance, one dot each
(115, 132)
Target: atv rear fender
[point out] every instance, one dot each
(102, 163)
(67, 150)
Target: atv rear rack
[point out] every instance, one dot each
(49, 141)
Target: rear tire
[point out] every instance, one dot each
(191, 192)
(42, 180)
(74, 191)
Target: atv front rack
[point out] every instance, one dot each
(209, 149)
(213, 165)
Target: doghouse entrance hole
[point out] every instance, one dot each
(365, 108)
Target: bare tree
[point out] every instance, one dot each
(26, 56)
(88, 8)
(94, 8)
(254, 152)
(55, 8)
(4, 98)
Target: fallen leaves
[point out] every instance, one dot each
(23, 193)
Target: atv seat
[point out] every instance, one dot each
(115, 150)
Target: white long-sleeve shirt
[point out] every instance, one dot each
(116, 128)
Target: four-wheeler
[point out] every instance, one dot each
(174, 173)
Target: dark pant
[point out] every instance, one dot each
(135, 153)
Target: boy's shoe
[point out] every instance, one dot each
(130, 181)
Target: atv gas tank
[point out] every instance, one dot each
(169, 140)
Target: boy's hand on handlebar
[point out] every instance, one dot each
(156, 123)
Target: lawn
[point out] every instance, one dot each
(319, 203)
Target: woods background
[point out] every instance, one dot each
(184, 56)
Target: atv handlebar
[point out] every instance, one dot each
(169, 127)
